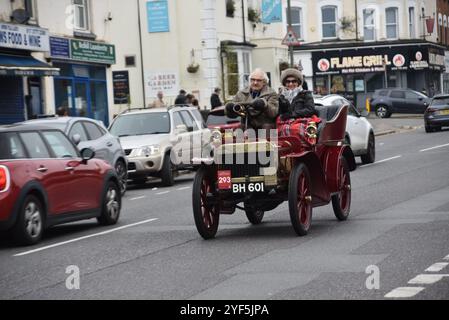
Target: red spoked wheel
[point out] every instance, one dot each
(341, 202)
(300, 199)
(206, 214)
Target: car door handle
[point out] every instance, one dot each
(42, 169)
(69, 168)
(109, 144)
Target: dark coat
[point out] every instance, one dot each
(181, 99)
(215, 101)
(302, 106)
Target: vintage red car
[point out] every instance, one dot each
(308, 168)
(45, 181)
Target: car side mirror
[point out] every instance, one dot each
(76, 138)
(420, 98)
(181, 128)
(87, 154)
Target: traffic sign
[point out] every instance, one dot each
(291, 39)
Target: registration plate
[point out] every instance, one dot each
(444, 112)
(224, 180)
(248, 187)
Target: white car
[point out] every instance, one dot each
(359, 132)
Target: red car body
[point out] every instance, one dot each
(68, 188)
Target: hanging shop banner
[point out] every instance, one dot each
(167, 82)
(23, 37)
(157, 15)
(378, 59)
(120, 81)
(59, 48)
(271, 11)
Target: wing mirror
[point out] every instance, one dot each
(76, 138)
(87, 154)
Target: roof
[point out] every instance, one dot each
(156, 110)
(23, 127)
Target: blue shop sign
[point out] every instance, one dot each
(60, 47)
(271, 11)
(157, 14)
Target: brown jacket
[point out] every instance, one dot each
(267, 120)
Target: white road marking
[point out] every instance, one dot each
(436, 147)
(185, 188)
(137, 198)
(154, 189)
(437, 267)
(446, 257)
(404, 292)
(85, 237)
(381, 161)
(381, 144)
(427, 278)
(161, 193)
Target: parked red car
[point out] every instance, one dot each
(45, 181)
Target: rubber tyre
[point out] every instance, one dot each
(299, 207)
(341, 202)
(29, 227)
(167, 174)
(429, 129)
(206, 217)
(382, 111)
(122, 175)
(370, 156)
(111, 204)
(255, 217)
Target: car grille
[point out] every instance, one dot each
(128, 151)
(131, 166)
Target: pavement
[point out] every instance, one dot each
(396, 123)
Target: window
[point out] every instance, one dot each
(11, 147)
(177, 121)
(31, 9)
(78, 129)
(199, 118)
(411, 23)
(93, 131)
(61, 146)
(296, 13)
(130, 61)
(188, 119)
(81, 14)
(391, 15)
(329, 20)
(368, 25)
(397, 94)
(35, 145)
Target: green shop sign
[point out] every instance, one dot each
(89, 51)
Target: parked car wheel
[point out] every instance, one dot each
(167, 174)
(382, 111)
(110, 211)
(429, 128)
(30, 223)
(300, 199)
(255, 217)
(122, 174)
(341, 202)
(370, 155)
(206, 215)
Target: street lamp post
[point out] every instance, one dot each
(289, 21)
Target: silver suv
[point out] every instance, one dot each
(154, 140)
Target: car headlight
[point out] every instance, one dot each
(216, 137)
(146, 151)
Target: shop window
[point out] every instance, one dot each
(99, 101)
(329, 21)
(411, 22)
(368, 25)
(98, 73)
(321, 85)
(81, 8)
(338, 84)
(296, 15)
(391, 16)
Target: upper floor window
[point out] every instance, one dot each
(81, 14)
(329, 21)
(391, 16)
(368, 25)
(30, 7)
(411, 22)
(296, 16)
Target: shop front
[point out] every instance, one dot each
(21, 73)
(359, 72)
(82, 84)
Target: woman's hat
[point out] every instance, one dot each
(290, 72)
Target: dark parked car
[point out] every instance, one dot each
(437, 114)
(387, 101)
(45, 181)
(89, 133)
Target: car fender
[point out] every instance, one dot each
(332, 161)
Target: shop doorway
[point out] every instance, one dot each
(34, 99)
(81, 107)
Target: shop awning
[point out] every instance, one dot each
(25, 66)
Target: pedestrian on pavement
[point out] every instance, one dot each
(181, 98)
(62, 112)
(189, 98)
(159, 102)
(215, 99)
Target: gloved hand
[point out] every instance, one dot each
(259, 104)
(284, 105)
(229, 110)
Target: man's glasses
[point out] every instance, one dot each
(291, 81)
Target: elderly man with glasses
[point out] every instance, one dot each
(263, 99)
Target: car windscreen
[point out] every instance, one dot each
(443, 101)
(217, 120)
(141, 124)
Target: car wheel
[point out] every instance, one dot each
(300, 199)
(370, 156)
(429, 128)
(122, 174)
(167, 174)
(341, 202)
(255, 217)
(206, 214)
(382, 111)
(30, 223)
(437, 128)
(111, 204)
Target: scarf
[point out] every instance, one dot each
(291, 94)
